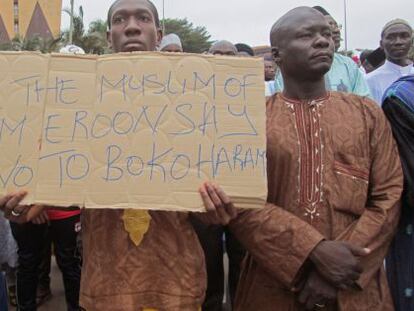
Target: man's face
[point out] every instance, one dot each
(306, 51)
(224, 49)
(173, 48)
(269, 68)
(243, 54)
(396, 42)
(133, 27)
(336, 31)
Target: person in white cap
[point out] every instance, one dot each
(396, 41)
(171, 43)
(71, 49)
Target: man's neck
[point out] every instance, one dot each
(304, 90)
(400, 62)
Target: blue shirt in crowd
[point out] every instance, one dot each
(344, 76)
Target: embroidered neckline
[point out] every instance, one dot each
(310, 102)
(307, 121)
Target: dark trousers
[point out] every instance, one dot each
(31, 240)
(211, 240)
(400, 262)
(3, 293)
(44, 267)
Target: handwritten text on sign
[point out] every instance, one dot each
(138, 131)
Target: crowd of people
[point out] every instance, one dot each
(340, 166)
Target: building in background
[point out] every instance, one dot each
(28, 18)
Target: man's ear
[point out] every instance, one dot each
(276, 55)
(108, 38)
(159, 37)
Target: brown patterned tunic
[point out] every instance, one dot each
(165, 272)
(334, 173)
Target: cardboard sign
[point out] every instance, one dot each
(140, 130)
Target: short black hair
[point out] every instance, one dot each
(364, 54)
(321, 10)
(152, 6)
(243, 47)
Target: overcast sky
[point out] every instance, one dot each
(250, 21)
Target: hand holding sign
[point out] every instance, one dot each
(219, 208)
(10, 205)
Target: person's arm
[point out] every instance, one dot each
(360, 86)
(373, 88)
(284, 246)
(279, 241)
(282, 243)
(376, 226)
(401, 119)
(14, 211)
(10, 205)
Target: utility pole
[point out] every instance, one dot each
(71, 22)
(345, 27)
(163, 16)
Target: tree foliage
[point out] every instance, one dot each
(195, 39)
(35, 43)
(92, 40)
(96, 41)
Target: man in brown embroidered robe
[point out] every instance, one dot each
(123, 270)
(334, 175)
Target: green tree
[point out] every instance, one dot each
(35, 43)
(195, 39)
(78, 28)
(92, 40)
(95, 39)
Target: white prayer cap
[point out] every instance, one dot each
(71, 49)
(397, 21)
(172, 38)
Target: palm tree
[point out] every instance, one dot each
(78, 28)
(91, 41)
(35, 43)
(96, 37)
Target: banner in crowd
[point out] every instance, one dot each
(141, 130)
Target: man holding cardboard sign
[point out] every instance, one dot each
(133, 259)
